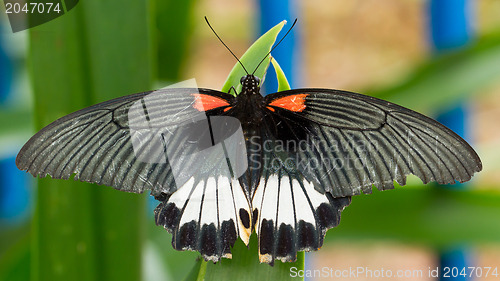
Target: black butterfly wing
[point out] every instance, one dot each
(323, 146)
(121, 142)
(352, 141)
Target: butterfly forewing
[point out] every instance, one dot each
(352, 141)
(125, 143)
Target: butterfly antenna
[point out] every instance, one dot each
(274, 47)
(226, 45)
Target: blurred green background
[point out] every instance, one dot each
(106, 49)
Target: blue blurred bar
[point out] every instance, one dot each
(15, 193)
(5, 82)
(5, 73)
(450, 22)
(288, 52)
(454, 260)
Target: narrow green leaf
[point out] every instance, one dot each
(447, 79)
(280, 76)
(62, 218)
(197, 271)
(15, 262)
(98, 51)
(173, 30)
(203, 271)
(252, 58)
(437, 217)
(245, 265)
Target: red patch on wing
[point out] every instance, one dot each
(204, 102)
(295, 103)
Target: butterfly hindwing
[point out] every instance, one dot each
(292, 216)
(205, 216)
(291, 213)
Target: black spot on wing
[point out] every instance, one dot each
(255, 214)
(187, 237)
(167, 215)
(328, 216)
(307, 237)
(339, 203)
(207, 243)
(285, 246)
(245, 218)
(210, 241)
(266, 237)
(284, 242)
(228, 236)
(162, 197)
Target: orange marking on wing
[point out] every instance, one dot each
(295, 103)
(270, 108)
(227, 108)
(204, 102)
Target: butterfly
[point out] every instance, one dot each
(223, 166)
(283, 165)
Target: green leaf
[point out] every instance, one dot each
(98, 51)
(445, 80)
(430, 216)
(280, 76)
(198, 271)
(15, 262)
(252, 58)
(173, 29)
(245, 265)
(435, 216)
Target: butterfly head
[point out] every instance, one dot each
(250, 83)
